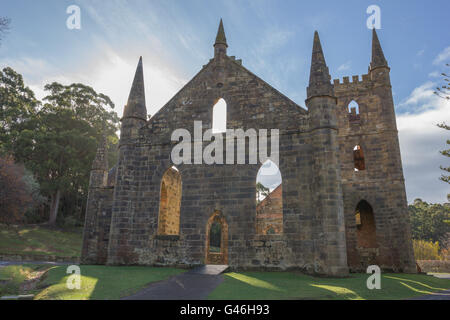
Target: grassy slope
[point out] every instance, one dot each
(102, 282)
(286, 285)
(40, 240)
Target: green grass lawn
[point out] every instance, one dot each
(101, 282)
(40, 240)
(111, 282)
(288, 285)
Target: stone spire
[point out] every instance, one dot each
(220, 38)
(319, 78)
(101, 159)
(378, 59)
(220, 46)
(135, 107)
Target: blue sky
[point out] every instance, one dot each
(274, 40)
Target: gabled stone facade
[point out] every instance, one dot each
(321, 190)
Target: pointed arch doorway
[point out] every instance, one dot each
(216, 240)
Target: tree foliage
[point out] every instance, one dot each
(18, 105)
(444, 92)
(57, 139)
(261, 192)
(445, 153)
(426, 250)
(85, 104)
(15, 195)
(429, 222)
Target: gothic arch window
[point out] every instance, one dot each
(353, 111)
(219, 119)
(353, 107)
(365, 225)
(269, 199)
(169, 203)
(358, 158)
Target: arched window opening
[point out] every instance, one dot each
(215, 236)
(219, 120)
(365, 225)
(269, 199)
(353, 107)
(358, 158)
(169, 203)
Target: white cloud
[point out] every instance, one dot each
(420, 143)
(113, 75)
(274, 39)
(442, 57)
(421, 97)
(110, 73)
(112, 70)
(434, 74)
(345, 66)
(36, 73)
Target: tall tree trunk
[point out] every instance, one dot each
(54, 207)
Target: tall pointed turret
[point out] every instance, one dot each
(319, 78)
(135, 111)
(220, 38)
(136, 100)
(220, 46)
(322, 111)
(378, 59)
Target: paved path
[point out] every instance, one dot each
(440, 275)
(195, 284)
(443, 295)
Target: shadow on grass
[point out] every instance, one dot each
(416, 282)
(101, 282)
(288, 285)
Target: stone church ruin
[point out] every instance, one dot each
(342, 205)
